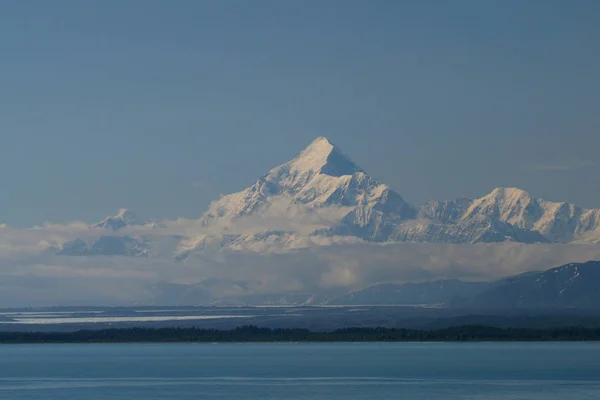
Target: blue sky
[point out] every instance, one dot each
(161, 106)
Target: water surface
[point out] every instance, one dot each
(490, 371)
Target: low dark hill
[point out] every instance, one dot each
(435, 292)
(571, 286)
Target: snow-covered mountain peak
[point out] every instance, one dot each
(321, 193)
(507, 204)
(503, 197)
(127, 214)
(123, 218)
(322, 198)
(323, 157)
(323, 183)
(508, 194)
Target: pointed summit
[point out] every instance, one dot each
(323, 157)
(123, 218)
(127, 214)
(506, 204)
(321, 184)
(508, 193)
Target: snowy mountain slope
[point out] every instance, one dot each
(445, 212)
(590, 237)
(109, 238)
(106, 245)
(322, 181)
(320, 178)
(511, 209)
(125, 218)
(357, 205)
(464, 232)
(157, 245)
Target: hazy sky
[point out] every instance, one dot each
(160, 106)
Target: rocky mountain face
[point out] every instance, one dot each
(322, 197)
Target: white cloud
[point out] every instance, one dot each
(32, 275)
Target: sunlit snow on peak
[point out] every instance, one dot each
(123, 218)
(323, 157)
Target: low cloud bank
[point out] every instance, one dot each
(30, 276)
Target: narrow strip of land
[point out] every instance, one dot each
(256, 334)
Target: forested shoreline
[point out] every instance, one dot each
(257, 334)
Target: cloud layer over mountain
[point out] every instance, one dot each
(33, 276)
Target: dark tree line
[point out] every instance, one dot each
(256, 334)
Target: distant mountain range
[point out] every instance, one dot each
(574, 286)
(322, 197)
(435, 293)
(571, 286)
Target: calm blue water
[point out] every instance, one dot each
(490, 371)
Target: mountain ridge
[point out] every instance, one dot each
(377, 213)
(573, 285)
(322, 197)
